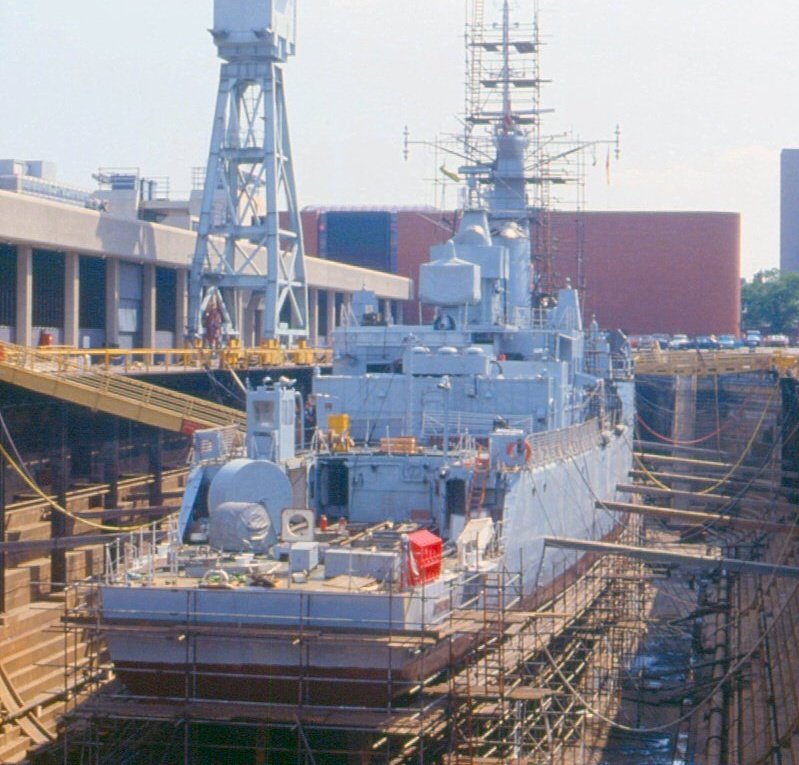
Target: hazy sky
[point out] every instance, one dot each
(705, 92)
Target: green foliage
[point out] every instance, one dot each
(771, 302)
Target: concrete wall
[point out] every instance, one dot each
(789, 210)
(29, 223)
(41, 223)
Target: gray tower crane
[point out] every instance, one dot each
(249, 257)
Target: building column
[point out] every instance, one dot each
(148, 306)
(346, 306)
(24, 329)
(111, 302)
(313, 316)
(331, 315)
(181, 312)
(71, 299)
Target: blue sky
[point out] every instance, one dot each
(705, 93)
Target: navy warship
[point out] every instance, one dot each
(439, 457)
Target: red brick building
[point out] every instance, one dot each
(643, 271)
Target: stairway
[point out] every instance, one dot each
(110, 392)
(33, 644)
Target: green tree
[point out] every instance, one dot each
(770, 302)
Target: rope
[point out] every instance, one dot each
(710, 489)
(678, 442)
(733, 669)
(50, 501)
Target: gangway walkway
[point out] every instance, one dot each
(70, 380)
(701, 363)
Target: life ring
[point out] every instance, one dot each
(216, 578)
(517, 448)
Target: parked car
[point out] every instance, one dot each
(662, 339)
(753, 338)
(649, 343)
(706, 343)
(679, 343)
(644, 342)
(729, 342)
(777, 341)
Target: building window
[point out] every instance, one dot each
(166, 286)
(8, 285)
(92, 293)
(48, 289)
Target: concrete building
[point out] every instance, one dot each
(789, 210)
(85, 269)
(643, 271)
(110, 266)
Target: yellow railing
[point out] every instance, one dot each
(653, 362)
(71, 378)
(145, 360)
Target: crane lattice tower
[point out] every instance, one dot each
(249, 254)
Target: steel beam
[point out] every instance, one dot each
(683, 460)
(749, 503)
(688, 451)
(61, 543)
(702, 519)
(713, 464)
(754, 483)
(650, 555)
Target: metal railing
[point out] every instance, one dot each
(474, 423)
(145, 360)
(138, 555)
(563, 443)
(64, 377)
(216, 444)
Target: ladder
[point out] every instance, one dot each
(478, 487)
(111, 392)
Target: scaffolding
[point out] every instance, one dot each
(520, 681)
(559, 677)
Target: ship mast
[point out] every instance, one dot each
(511, 165)
(507, 117)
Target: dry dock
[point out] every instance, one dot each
(675, 643)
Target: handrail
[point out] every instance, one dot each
(147, 360)
(655, 362)
(67, 378)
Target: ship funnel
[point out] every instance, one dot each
(517, 243)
